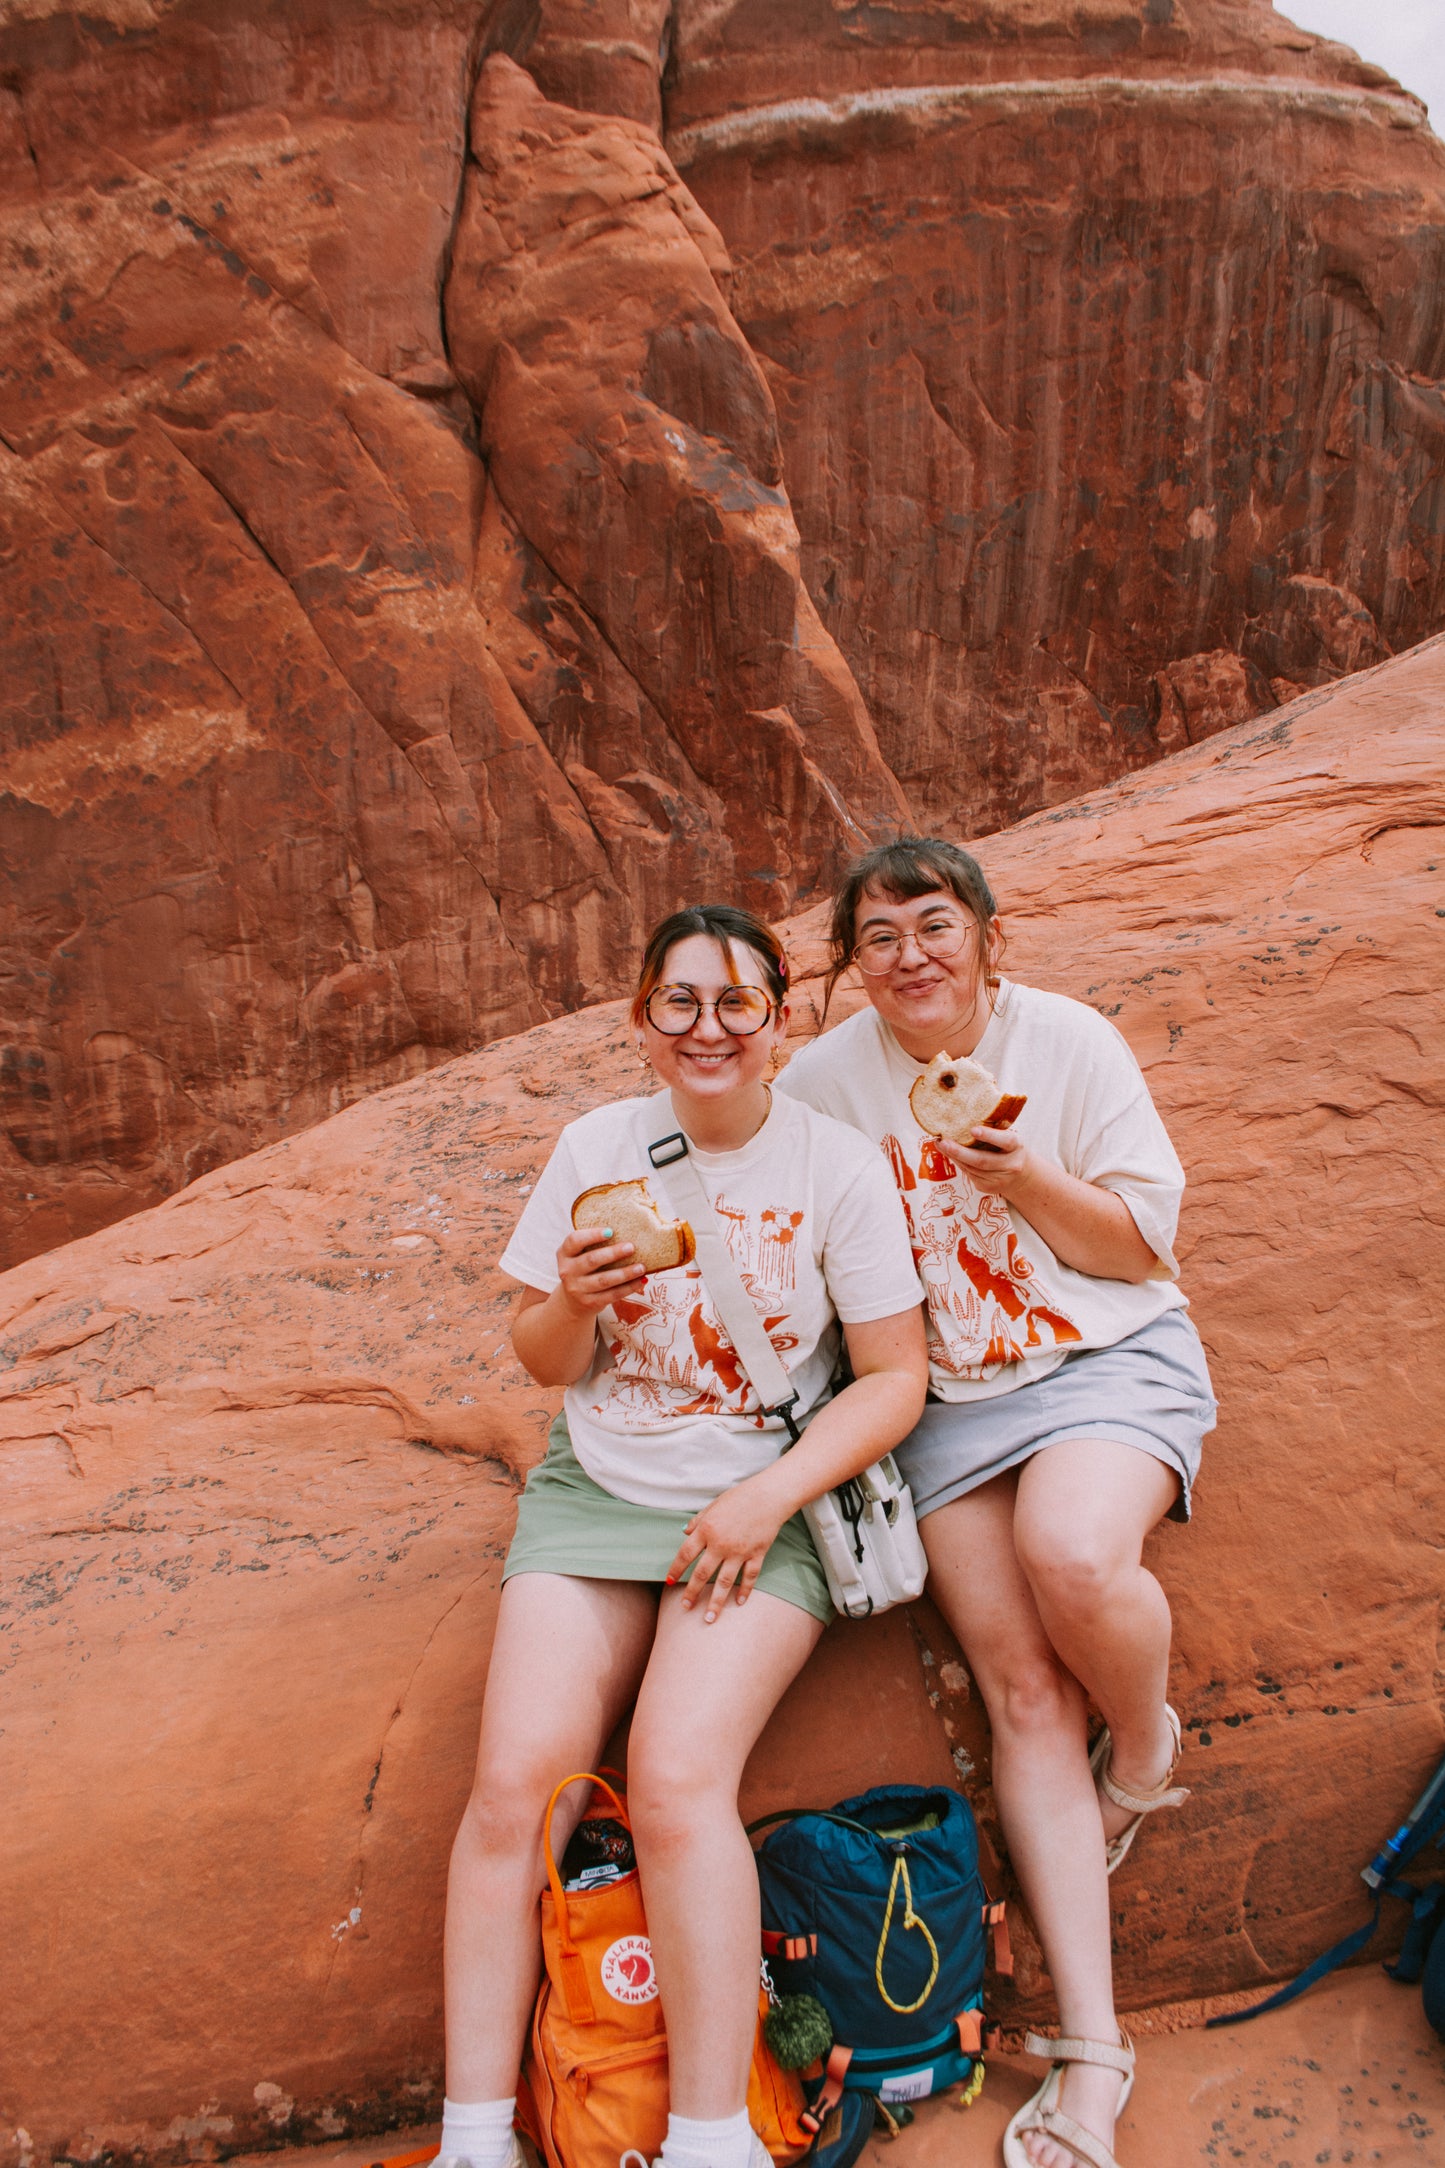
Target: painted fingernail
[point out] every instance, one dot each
(670, 1581)
(607, 1234)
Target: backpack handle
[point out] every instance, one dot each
(821, 1814)
(574, 1972)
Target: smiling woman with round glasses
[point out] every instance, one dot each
(741, 1010)
(660, 1554)
(1068, 1395)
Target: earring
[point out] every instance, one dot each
(775, 1061)
(642, 1061)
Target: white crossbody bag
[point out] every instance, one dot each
(865, 1532)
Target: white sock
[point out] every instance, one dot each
(724, 2144)
(479, 2131)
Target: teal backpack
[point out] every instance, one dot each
(876, 1930)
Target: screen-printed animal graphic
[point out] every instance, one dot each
(982, 1311)
(669, 1352)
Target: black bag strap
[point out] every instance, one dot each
(1350, 1946)
(1424, 1823)
(1428, 1916)
(820, 1814)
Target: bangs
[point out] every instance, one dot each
(901, 871)
(726, 924)
(724, 946)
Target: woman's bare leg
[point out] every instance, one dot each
(1041, 1779)
(566, 1662)
(708, 1692)
(1084, 1509)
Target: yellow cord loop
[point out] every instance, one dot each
(974, 2087)
(910, 1919)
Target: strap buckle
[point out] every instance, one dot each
(667, 1150)
(785, 1407)
(835, 2070)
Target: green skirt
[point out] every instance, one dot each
(566, 1523)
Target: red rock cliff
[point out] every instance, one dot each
(1107, 350)
(442, 525)
(349, 727)
(261, 1447)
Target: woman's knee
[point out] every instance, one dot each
(1029, 1693)
(674, 1792)
(1072, 1566)
(505, 1811)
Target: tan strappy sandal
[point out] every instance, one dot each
(1166, 1793)
(1043, 2112)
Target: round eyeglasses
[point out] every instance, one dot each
(937, 937)
(741, 1010)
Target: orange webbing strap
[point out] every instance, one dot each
(835, 2070)
(574, 1972)
(995, 1917)
(791, 1947)
(977, 2035)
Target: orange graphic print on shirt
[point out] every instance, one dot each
(669, 1353)
(982, 1311)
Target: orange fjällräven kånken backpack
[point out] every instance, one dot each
(594, 2076)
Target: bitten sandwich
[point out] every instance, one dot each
(952, 1098)
(627, 1208)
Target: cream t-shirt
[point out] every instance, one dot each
(1002, 1308)
(812, 1221)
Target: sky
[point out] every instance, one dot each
(1405, 36)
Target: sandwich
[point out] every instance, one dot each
(627, 1208)
(952, 1098)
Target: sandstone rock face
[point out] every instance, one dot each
(319, 768)
(262, 1445)
(1104, 342)
(602, 56)
(636, 450)
(359, 714)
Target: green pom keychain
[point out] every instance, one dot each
(798, 2030)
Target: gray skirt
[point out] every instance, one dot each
(1151, 1391)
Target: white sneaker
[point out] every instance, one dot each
(760, 2157)
(514, 2157)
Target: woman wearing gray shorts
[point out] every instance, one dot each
(1068, 1396)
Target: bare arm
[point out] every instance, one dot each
(730, 1538)
(1089, 1228)
(554, 1335)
